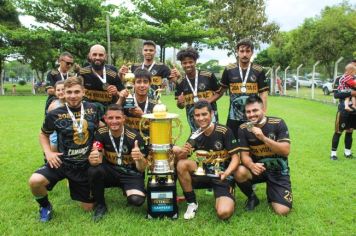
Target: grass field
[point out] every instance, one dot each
(324, 191)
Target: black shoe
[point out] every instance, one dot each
(333, 158)
(349, 156)
(251, 203)
(99, 212)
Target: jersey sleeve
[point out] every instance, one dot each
(230, 142)
(178, 90)
(242, 141)
(48, 126)
(225, 79)
(215, 86)
(50, 80)
(262, 82)
(166, 72)
(283, 133)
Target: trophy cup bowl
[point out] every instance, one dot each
(129, 84)
(201, 156)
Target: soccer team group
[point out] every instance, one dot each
(89, 138)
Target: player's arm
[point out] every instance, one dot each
(138, 156)
(182, 152)
(235, 161)
(255, 168)
(52, 157)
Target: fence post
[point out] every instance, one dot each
(285, 81)
(335, 73)
(313, 77)
(33, 83)
(2, 90)
(275, 77)
(297, 80)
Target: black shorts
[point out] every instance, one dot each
(234, 126)
(114, 176)
(77, 178)
(220, 188)
(279, 188)
(344, 120)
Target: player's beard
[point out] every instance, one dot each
(97, 67)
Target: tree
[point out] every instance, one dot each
(237, 19)
(211, 65)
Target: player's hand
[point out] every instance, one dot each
(223, 175)
(175, 74)
(95, 157)
(187, 148)
(112, 90)
(137, 111)
(258, 133)
(124, 93)
(53, 159)
(180, 99)
(123, 70)
(136, 152)
(257, 168)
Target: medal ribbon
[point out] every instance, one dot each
(194, 90)
(102, 79)
(62, 74)
(199, 132)
(246, 75)
(149, 68)
(146, 104)
(118, 152)
(78, 125)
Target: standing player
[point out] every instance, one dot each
(243, 79)
(118, 159)
(265, 146)
(101, 81)
(65, 61)
(159, 71)
(196, 85)
(344, 121)
(219, 141)
(75, 124)
(144, 104)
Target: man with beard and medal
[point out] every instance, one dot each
(144, 104)
(220, 143)
(195, 85)
(62, 73)
(158, 70)
(101, 82)
(118, 159)
(264, 147)
(75, 124)
(243, 79)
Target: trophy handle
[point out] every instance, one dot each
(177, 124)
(143, 126)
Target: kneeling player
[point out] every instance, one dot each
(75, 124)
(117, 159)
(265, 145)
(219, 141)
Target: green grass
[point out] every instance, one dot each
(324, 191)
(306, 93)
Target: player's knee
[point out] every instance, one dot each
(224, 213)
(241, 174)
(36, 180)
(281, 210)
(181, 166)
(135, 200)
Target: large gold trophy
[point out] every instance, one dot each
(161, 186)
(129, 79)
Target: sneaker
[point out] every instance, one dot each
(191, 210)
(99, 212)
(251, 203)
(333, 158)
(350, 156)
(46, 213)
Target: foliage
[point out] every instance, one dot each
(238, 19)
(211, 65)
(22, 82)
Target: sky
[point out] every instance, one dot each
(288, 14)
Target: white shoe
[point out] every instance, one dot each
(191, 209)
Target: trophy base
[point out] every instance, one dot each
(129, 103)
(214, 176)
(161, 200)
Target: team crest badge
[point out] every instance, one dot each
(124, 149)
(153, 72)
(272, 136)
(218, 145)
(253, 78)
(201, 87)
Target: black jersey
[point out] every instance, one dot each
(134, 122)
(256, 83)
(159, 71)
(207, 86)
(221, 143)
(74, 146)
(110, 156)
(94, 89)
(274, 128)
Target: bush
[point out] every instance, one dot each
(22, 82)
